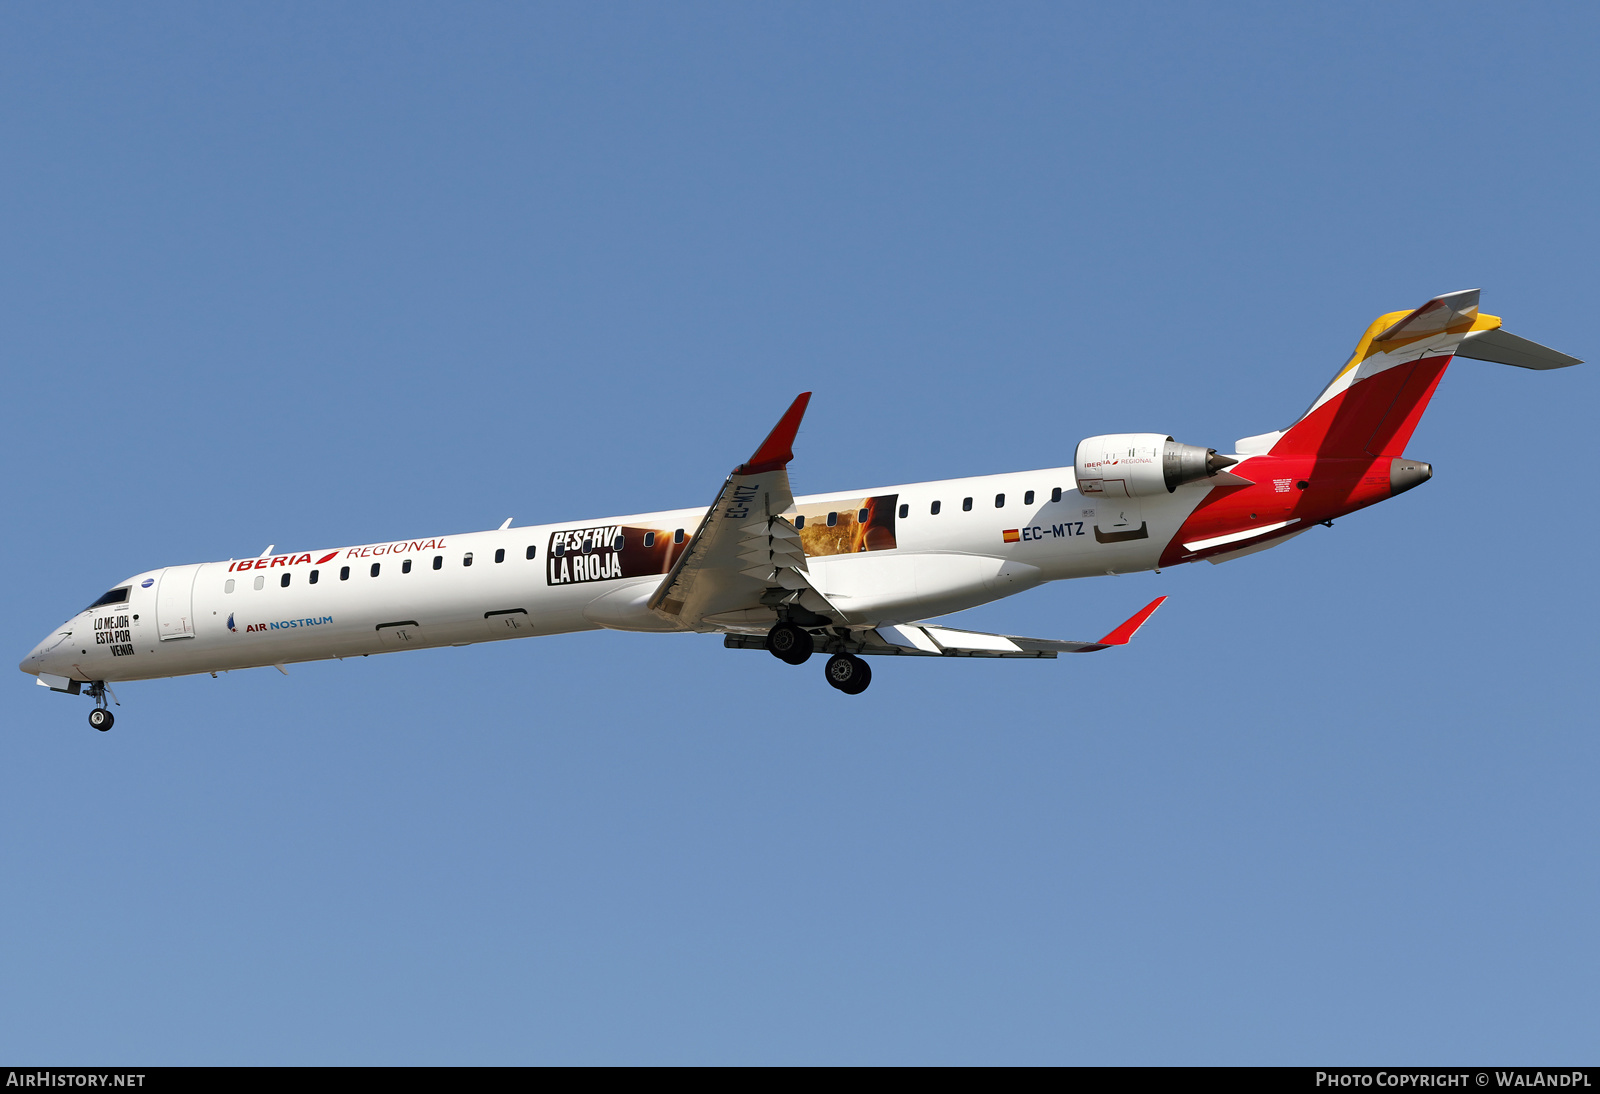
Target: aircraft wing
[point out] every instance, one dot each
(930, 640)
(745, 559)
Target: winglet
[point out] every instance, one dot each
(1120, 636)
(777, 450)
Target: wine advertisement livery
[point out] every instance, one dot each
(844, 576)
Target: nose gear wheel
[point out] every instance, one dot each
(101, 717)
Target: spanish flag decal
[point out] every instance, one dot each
(1011, 535)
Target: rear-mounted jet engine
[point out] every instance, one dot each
(1141, 465)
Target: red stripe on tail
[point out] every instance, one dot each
(1372, 417)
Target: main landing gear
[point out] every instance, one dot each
(789, 643)
(101, 717)
(848, 673)
(793, 644)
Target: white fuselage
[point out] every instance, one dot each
(846, 573)
(375, 598)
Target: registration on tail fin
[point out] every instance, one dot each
(1373, 405)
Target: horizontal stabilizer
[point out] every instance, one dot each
(1504, 348)
(1442, 313)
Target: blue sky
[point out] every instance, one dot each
(307, 276)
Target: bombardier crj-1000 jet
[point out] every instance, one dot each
(844, 574)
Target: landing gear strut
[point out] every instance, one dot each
(848, 673)
(101, 717)
(790, 643)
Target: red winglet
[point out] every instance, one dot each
(777, 450)
(1120, 636)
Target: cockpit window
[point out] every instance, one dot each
(115, 596)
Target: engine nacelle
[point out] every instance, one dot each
(1140, 465)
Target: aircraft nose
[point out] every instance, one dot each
(38, 659)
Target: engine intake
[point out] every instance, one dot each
(1139, 465)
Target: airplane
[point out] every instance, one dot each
(850, 574)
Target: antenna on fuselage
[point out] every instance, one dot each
(268, 551)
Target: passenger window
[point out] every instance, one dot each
(800, 521)
(312, 580)
(438, 562)
(466, 559)
(261, 582)
(588, 544)
(677, 536)
(559, 550)
(1027, 499)
(405, 567)
(905, 511)
(999, 501)
(833, 520)
(227, 586)
(344, 573)
(619, 542)
(861, 516)
(499, 554)
(966, 505)
(1055, 495)
(375, 567)
(283, 582)
(649, 539)
(532, 550)
(934, 509)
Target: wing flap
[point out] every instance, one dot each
(971, 641)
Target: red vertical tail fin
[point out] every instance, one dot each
(1373, 405)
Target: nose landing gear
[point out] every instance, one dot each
(101, 717)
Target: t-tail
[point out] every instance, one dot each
(1373, 405)
(1348, 450)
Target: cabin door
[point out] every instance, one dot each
(175, 602)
